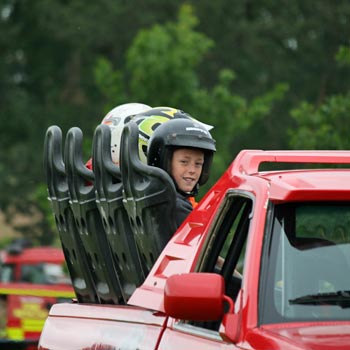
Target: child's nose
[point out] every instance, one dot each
(192, 168)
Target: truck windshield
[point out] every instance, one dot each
(7, 273)
(43, 273)
(308, 265)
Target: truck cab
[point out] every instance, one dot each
(32, 279)
(262, 262)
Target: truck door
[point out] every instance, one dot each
(224, 254)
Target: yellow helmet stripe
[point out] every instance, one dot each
(146, 125)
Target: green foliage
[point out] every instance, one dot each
(40, 196)
(322, 127)
(109, 82)
(233, 115)
(343, 55)
(4, 242)
(162, 61)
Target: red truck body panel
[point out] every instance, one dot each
(35, 254)
(104, 327)
(315, 336)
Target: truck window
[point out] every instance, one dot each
(307, 263)
(7, 273)
(225, 250)
(44, 273)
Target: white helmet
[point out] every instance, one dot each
(116, 119)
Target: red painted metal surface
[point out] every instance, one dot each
(101, 327)
(34, 255)
(315, 336)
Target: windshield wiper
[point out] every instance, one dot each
(340, 298)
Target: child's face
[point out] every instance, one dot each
(186, 167)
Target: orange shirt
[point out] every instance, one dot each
(193, 201)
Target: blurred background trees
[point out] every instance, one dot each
(265, 74)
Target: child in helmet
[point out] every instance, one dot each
(184, 148)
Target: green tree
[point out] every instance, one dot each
(322, 127)
(267, 43)
(164, 59)
(233, 115)
(326, 125)
(160, 67)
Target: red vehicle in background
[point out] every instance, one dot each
(32, 279)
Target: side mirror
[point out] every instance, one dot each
(196, 296)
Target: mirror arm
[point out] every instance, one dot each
(229, 329)
(230, 303)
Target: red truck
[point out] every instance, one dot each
(263, 261)
(32, 279)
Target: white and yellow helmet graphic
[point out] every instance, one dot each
(149, 120)
(116, 119)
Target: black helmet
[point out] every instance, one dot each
(180, 133)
